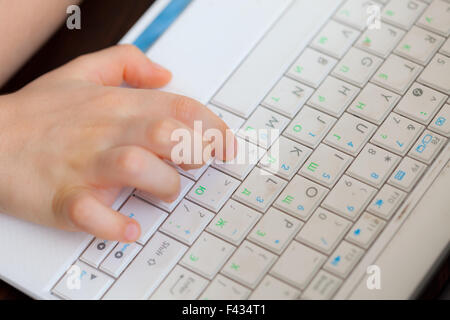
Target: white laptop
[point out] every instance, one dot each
(357, 205)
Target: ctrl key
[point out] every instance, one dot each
(82, 282)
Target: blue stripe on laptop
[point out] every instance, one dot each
(161, 24)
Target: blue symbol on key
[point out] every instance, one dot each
(131, 215)
(400, 175)
(324, 241)
(374, 175)
(400, 144)
(350, 208)
(379, 203)
(187, 231)
(312, 134)
(357, 232)
(259, 199)
(277, 241)
(336, 260)
(300, 207)
(440, 121)
(350, 144)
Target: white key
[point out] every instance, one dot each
(333, 96)
(441, 124)
(350, 134)
(311, 67)
(407, 174)
(323, 287)
(354, 13)
(287, 97)
(343, 259)
(181, 284)
(207, 255)
(222, 288)
(326, 165)
(273, 289)
(427, 147)
(397, 134)
(357, 67)
(349, 198)
(275, 230)
(437, 17)
(445, 49)
(97, 251)
(386, 202)
(421, 103)
(234, 222)
(260, 189)
(233, 122)
(148, 270)
(419, 45)
(248, 155)
(380, 41)
(397, 74)
(373, 165)
(374, 103)
(263, 127)
(148, 216)
(365, 230)
(309, 127)
(120, 258)
(213, 189)
(249, 264)
(301, 197)
(285, 157)
(298, 265)
(82, 282)
(436, 74)
(187, 222)
(335, 39)
(185, 185)
(323, 231)
(403, 13)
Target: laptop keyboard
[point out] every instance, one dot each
(361, 115)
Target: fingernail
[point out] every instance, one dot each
(159, 67)
(131, 232)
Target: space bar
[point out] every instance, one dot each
(249, 84)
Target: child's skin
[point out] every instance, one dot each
(70, 140)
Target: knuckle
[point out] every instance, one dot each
(130, 162)
(79, 211)
(184, 107)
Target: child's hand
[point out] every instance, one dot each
(70, 140)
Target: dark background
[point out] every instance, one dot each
(103, 24)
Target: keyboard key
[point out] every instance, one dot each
(233, 122)
(301, 197)
(335, 39)
(357, 67)
(436, 74)
(309, 127)
(207, 255)
(349, 198)
(82, 282)
(148, 216)
(402, 14)
(249, 264)
(148, 270)
(373, 165)
(421, 103)
(397, 74)
(441, 124)
(427, 147)
(323, 231)
(374, 103)
(187, 222)
(273, 289)
(380, 41)
(120, 258)
(445, 49)
(365, 230)
(260, 189)
(181, 284)
(397, 134)
(326, 165)
(333, 96)
(275, 230)
(234, 222)
(354, 13)
(323, 287)
(343, 259)
(287, 97)
(298, 265)
(311, 67)
(386, 202)
(263, 127)
(213, 189)
(97, 251)
(419, 45)
(407, 174)
(222, 288)
(350, 134)
(285, 157)
(437, 18)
